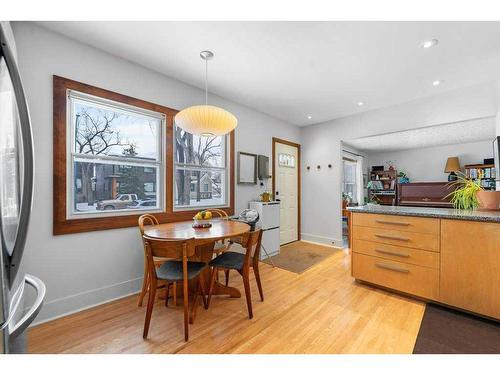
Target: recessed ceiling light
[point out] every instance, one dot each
(360, 104)
(436, 83)
(309, 117)
(430, 43)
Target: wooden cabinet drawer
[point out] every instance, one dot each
(397, 253)
(395, 222)
(408, 278)
(421, 241)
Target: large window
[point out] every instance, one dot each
(117, 157)
(201, 172)
(349, 186)
(116, 162)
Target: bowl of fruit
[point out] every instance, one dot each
(202, 219)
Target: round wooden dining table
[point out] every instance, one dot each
(205, 239)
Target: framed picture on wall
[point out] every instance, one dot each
(247, 168)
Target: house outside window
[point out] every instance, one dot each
(201, 171)
(116, 156)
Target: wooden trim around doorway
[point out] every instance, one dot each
(293, 144)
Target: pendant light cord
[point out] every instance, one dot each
(206, 82)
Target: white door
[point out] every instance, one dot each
(286, 159)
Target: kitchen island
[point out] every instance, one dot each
(437, 254)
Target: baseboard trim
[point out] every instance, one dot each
(61, 307)
(329, 241)
(323, 244)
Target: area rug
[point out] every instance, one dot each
(299, 256)
(445, 331)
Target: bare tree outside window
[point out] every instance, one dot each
(200, 169)
(116, 157)
(95, 135)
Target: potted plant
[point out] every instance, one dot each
(469, 195)
(346, 199)
(403, 178)
(488, 199)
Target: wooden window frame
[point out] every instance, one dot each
(63, 225)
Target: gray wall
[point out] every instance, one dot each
(427, 164)
(81, 270)
(321, 144)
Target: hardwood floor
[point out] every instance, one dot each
(320, 311)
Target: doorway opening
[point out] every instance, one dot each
(352, 190)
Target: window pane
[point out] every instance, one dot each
(199, 188)
(196, 150)
(101, 130)
(100, 187)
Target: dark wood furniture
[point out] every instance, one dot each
(204, 240)
(386, 194)
(425, 194)
(242, 263)
(172, 271)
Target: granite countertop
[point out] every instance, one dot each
(442, 213)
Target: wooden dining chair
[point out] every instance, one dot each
(242, 263)
(148, 219)
(173, 271)
(222, 245)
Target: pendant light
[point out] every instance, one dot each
(206, 120)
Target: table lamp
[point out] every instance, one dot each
(452, 166)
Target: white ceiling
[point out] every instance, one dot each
(294, 69)
(447, 134)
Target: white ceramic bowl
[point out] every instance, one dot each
(202, 221)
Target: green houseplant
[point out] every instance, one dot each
(464, 197)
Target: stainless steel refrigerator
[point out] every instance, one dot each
(16, 188)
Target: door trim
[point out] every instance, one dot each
(293, 144)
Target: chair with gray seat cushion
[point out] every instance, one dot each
(241, 262)
(172, 271)
(145, 220)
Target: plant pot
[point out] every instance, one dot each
(488, 200)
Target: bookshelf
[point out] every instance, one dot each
(384, 187)
(484, 172)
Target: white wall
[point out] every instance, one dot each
(427, 164)
(321, 144)
(88, 268)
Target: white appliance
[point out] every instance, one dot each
(269, 221)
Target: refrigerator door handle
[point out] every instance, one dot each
(28, 318)
(14, 305)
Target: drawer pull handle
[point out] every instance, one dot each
(392, 222)
(403, 255)
(392, 268)
(392, 237)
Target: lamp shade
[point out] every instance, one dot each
(452, 165)
(206, 120)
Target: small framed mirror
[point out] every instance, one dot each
(247, 168)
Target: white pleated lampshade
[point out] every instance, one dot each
(206, 120)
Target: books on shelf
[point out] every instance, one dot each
(377, 185)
